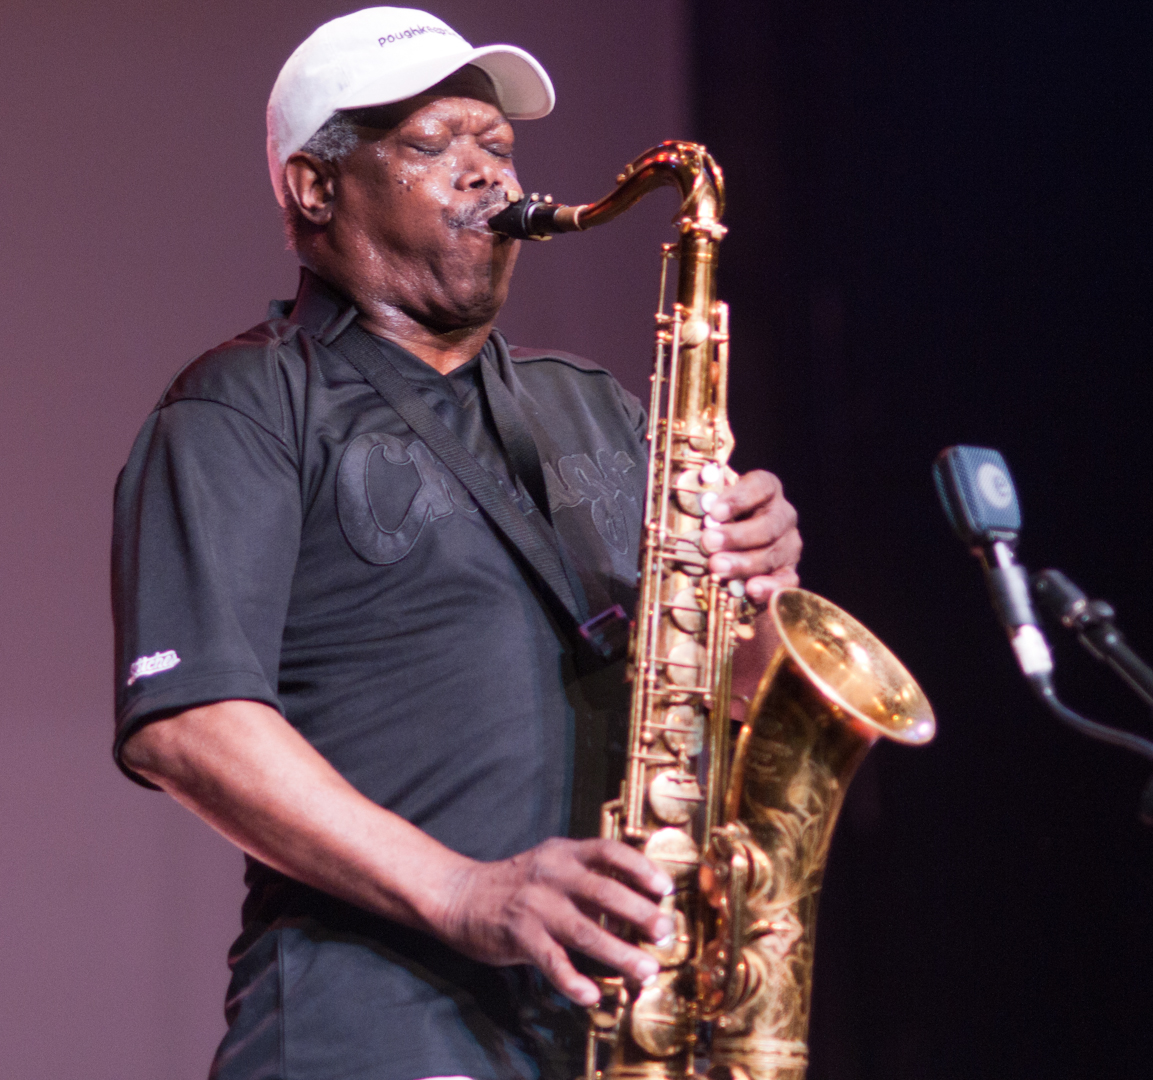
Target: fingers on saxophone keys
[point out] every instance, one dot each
(751, 491)
(577, 931)
(762, 587)
(553, 961)
(624, 861)
(613, 882)
(744, 557)
(597, 895)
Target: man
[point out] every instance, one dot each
(328, 651)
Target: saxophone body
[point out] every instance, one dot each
(743, 828)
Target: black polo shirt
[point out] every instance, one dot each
(282, 536)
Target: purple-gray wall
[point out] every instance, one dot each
(139, 230)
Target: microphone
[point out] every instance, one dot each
(980, 502)
(978, 497)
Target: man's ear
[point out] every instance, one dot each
(311, 184)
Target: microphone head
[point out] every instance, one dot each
(977, 494)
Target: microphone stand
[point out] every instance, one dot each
(1092, 621)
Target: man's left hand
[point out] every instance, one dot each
(751, 534)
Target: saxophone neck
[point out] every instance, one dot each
(687, 166)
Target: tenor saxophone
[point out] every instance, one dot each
(742, 829)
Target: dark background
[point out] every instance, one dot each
(941, 233)
(940, 221)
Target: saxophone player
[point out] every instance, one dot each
(328, 644)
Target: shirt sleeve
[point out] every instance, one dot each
(205, 538)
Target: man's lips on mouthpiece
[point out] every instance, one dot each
(477, 216)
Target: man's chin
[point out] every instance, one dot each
(467, 313)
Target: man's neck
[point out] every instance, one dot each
(443, 351)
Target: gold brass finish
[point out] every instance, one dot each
(830, 692)
(744, 832)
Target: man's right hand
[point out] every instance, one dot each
(247, 772)
(529, 908)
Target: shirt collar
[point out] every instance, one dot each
(326, 313)
(318, 308)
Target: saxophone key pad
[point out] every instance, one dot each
(688, 490)
(678, 946)
(684, 730)
(696, 489)
(685, 610)
(674, 796)
(661, 1020)
(674, 851)
(684, 663)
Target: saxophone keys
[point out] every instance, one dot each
(606, 1015)
(684, 730)
(678, 945)
(662, 1019)
(674, 796)
(694, 331)
(686, 550)
(684, 663)
(673, 851)
(686, 612)
(697, 489)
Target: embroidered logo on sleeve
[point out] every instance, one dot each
(152, 665)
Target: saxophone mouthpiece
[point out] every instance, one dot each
(535, 217)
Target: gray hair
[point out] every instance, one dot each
(332, 143)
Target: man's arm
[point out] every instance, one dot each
(246, 771)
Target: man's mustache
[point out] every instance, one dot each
(470, 217)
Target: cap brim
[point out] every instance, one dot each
(522, 86)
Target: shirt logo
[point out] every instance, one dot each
(577, 479)
(144, 666)
(387, 491)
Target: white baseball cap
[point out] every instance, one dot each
(385, 54)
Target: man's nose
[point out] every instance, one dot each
(480, 171)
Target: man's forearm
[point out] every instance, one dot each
(246, 771)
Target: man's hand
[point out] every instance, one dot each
(751, 533)
(246, 771)
(527, 909)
